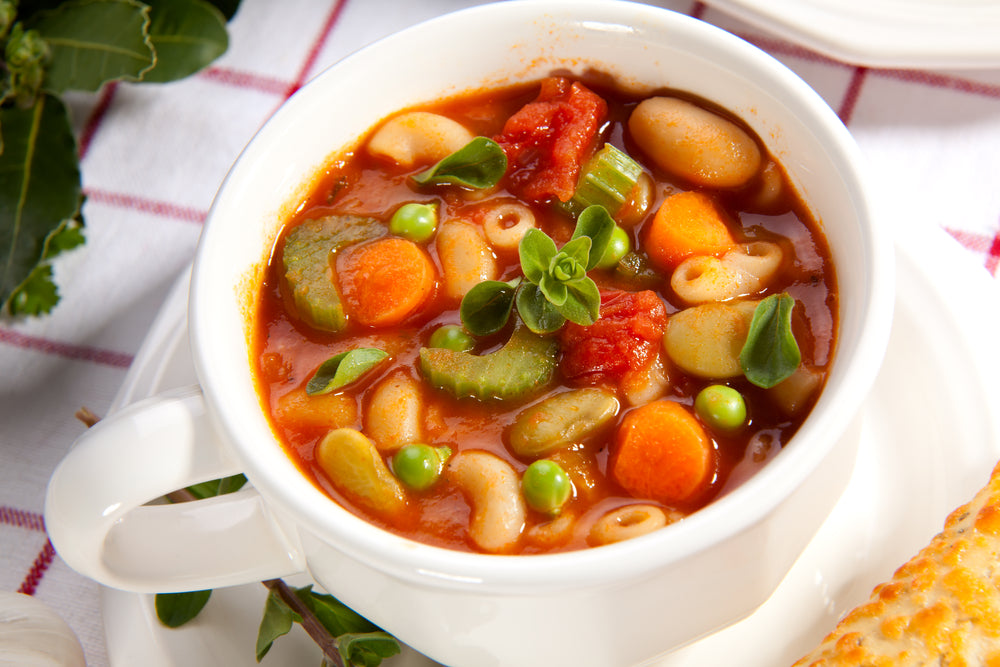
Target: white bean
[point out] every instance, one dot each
(418, 137)
(629, 521)
(706, 340)
(493, 489)
(466, 257)
(394, 412)
(569, 418)
(694, 143)
(506, 223)
(354, 466)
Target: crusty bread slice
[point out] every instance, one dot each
(940, 608)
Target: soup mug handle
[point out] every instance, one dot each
(98, 519)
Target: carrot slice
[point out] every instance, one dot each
(687, 223)
(385, 281)
(662, 453)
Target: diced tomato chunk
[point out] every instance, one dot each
(625, 338)
(547, 140)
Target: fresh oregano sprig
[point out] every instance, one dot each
(555, 288)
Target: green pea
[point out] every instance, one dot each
(721, 407)
(418, 465)
(618, 247)
(452, 337)
(546, 486)
(416, 222)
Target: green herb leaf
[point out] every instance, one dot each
(176, 609)
(486, 307)
(40, 196)
(537, 312)
(218, 487)
(536, 251)
(335, 616)
(771, 353)
(480, 164)
(367, 649)
(342, 369)
(583, 302)
(187, 35)
(277, 621)
(596, 224)
(95, 41)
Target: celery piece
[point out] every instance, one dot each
(607, 179)
(309, 270)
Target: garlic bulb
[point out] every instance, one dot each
(32, 635)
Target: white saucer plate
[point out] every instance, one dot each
(930, 34)
(930, 437)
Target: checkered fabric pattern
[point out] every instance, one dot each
(154, 155)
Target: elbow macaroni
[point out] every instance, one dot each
(740, 272)
(418, 137)
(493, 489)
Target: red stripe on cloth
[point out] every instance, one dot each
(988, 246)
(96, 116)
(12, 516)
(698, 10)
(249, 80)
(153, 206)
(853, 93)
(42, 562)
(67, 350)
(313, 54)
(936, 80)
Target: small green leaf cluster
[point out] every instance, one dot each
(359, 642)
(556, 287)
(49, 47)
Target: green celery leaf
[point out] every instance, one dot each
(35, 296)
(537, 313)
(176, 609)
(367, 649)
(536, 251)
(596, 224)
(480, 164)
(771, 353)
(39, 294)
(94, 42)
(218, 487)
(277, 621)
(39, 189)
(187, 36)
(342, 369)
(67, 236)
(486, 307)
(335, 616)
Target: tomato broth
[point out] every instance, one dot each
(623, 356)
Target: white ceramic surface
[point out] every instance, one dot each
(730, 556)
(939, 358)
(884, 33)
